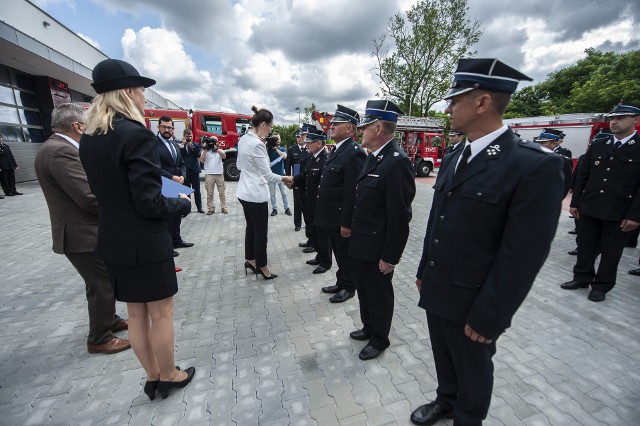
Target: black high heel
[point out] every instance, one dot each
(150, 388)
(165, 387)
(261, 272)
(248, 265)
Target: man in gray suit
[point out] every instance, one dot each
(74, 224)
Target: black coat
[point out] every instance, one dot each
(563, 151)
(607, 184)
(295, 155)
(382, 208)
(7, 161)
(489, 233)
(309, 179)
(170, 167)
(123, 170)
(337, 188)
(453, 148)
(191, 156)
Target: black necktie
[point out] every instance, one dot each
(464, 160)
(172, 150)
(618, 144)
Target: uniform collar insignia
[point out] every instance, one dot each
(493, 149)
(380, 158)
(395, 154)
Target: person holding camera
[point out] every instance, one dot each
(277, 157)
(212, 158)
(190, 151)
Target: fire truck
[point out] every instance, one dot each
(226, 126)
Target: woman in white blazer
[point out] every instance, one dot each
(253, 191)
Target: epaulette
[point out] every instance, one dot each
(532, 145)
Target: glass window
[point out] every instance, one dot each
(12, 134)
(34, 135)
(242, 125)
(27, 100)
(212, 124)
(4, 75)
(9, 115)
(25, 81)
(30, 118)
(6, 95)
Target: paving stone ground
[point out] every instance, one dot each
(278, 353)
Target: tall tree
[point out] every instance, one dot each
(308, 113)
(418, 52)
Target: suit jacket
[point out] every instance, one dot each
(607, 184)
(123, 168)
(295, 155)
(253, 162)
(7, 161)
(73, 208)
(191, 157)
(337, 187)
(382, 208)
(453, 148)
(309, 178)
(489, 233)
(563, 151)
(169, 166)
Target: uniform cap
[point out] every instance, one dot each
(380, 109)
(315, 134)
(625, 108)
(114, 74)
(345, 115)
(488, 74)
(550, 135)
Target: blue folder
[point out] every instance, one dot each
(171, 188)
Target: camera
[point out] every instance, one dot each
(272, 141)
(212, 143)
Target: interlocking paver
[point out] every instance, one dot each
(279, 353)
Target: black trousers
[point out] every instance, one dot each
(173, 226)
(464, 370)
(375, 293)
(256, 216)
(340, 246)
(8, 181)
(298, 208)
(193, 181)
(602, 237)
(100, 299)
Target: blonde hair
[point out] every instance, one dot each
(105, 106)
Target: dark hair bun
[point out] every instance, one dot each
(254, 109)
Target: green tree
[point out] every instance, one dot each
(287, 134)
(418, 52)
(308, 113)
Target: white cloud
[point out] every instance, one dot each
(89, 40)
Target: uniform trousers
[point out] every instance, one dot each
(311, 233)
(255, 238)
(464, 370)
(173, 226)
(212, 181)
(192, 180)
(298, 208)
(331, 239)
(375, 294)
(100, 299)
(595, 237)
(8, 181)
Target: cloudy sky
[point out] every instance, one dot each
(283, 54)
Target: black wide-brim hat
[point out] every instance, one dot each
(114, 74)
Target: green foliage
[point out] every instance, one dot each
(287, 134)
(308, 113)
(427, 43)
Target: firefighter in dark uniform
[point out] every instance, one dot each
(550, 139)
(494, 214)
(292, 166)
(380, 223)
(455, 142)
(307, 182)
(334, 204)
(606, 202)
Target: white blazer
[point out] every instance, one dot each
(255, 172)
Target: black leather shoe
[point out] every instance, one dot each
(429, 414)
(9, 194)
(360, 335)
(17, 193)
(369, 352)
(573, 285)
(634, 272)
(288, 212)
(320, 270)
(573, 232)
(309, 250)
(596, 296)
(341, 296)
(182, 244)
(313, 262)
(274, 212)
(573, 252)
(201, 211)
(297, 228)
(175, 253)
(307, 244)
(1, 197)
(331, 289)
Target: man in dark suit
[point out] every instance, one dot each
(492, 199)
(190, 151)
(380, 223)
(8, 167)
(173, 167)
(334, 205)
(74, 224)
(294, 164)
(606, 202)
(549, 140)
(455, 142)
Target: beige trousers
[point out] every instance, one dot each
(210, 182)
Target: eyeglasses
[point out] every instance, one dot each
(166, 127)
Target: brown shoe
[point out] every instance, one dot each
(120, 325)
(112, 346)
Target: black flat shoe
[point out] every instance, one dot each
(248, 265)
(261, 272)
(312, 262)
(165, 387)
(369, 352)
(150, 388)
(341, 296)
(331, 289)
(596, 296)
(307, 244)
(360, 335)
(429, 414)
(634, 272)
(320, 270)
(574, 285)
(309, 250)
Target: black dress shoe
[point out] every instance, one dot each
(320, 270)
(573, 252)
(596, 296)
(9, 194)
(369, 352)
(313, 262)
(164, 387)
(341, 296)
(17, 193)
(1, 197)
(181, 244)
(309, 250)
(360, 335)
(429, 414)
(274, 212)
(297, 228)
(573, 285)
(331, 289)
(288, 212)
(634, 272)
(307, 244)
(175, 253)
(200, 211)
(573, 232)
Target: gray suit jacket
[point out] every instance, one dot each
(72, 206)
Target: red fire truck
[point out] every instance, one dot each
(226, 126)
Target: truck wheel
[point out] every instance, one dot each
(424, 169)
(231, 172)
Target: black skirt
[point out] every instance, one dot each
(143, 283)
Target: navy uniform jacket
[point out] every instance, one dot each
(489, 233)
(7, 161)
(607, 184)
(337, 188)
(295, 155)
(170, 167)
(191, 157)
(309, 178)
(382, 210)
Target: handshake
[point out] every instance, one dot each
(288, 181)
